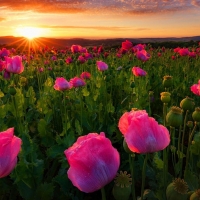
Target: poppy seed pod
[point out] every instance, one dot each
(195, 195)
(167, 81)
(122, 187)
(177, 190)
(187, 104)
(165, 97)
(189, 124)
(196, 114)
(174, 117)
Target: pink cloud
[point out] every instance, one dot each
(119, 6)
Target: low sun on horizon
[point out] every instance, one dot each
(30, 32)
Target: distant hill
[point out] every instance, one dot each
(15, 42)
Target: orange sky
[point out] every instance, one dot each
(102, 19)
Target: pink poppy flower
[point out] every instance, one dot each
(9, 149)
(100, 49)
(14, 64)
(4, 52)
(138, 47)
(102, 66)
(2, 65)
(76, 48)
(137, 71)
(142, 133)
(196, 88)
(69, 60)
(81, 59)
(93, 161)
(192, 54)
(62, 84)
(142, 55)
(53, 58)
(77, 82)
(176, 50)
(85, 75)
(127, 45)
(183, 52)
(173, 57)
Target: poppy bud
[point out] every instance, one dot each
(165, 97)
(122, 187)
(12, 90)
(167, 81)
(190, 124)
(177, 190)
(174, 117)
(133, 84)
(195, 195)
(187, 104)
(196, 114)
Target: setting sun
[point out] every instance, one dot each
(29, 32)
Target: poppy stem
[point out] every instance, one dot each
(131, 163)
(188, 148)
(103, 194)
(144, 175)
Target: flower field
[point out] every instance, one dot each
(94, 123)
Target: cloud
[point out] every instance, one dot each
(102, 28)
(134, 7)
(2, 19)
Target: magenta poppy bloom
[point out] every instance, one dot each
(14, 65)
(176, 50)
(102, 66)
(69, 60)
(77, 82)
(142, 55)
(100, 49)
(142, 133)
(2, 65)
(192, 54)
(93, 161)
(4, 52)
(127, 45)
(76, 48)
(137, 71)
(138, 47)
(9, 149)
(62, 84)
(183, 52)
(196, 88)
(85, 75)
(81, 59)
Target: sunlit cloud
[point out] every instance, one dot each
(93, 6)
(2, 19)
(103, 28)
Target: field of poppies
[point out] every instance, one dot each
(94, 123)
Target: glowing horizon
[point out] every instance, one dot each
(101, 19)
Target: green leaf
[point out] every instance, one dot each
(1, 94)
(42, 127)
(30, 94)
(78, 127)
(3, 111)
(191, 179)
(157, 161)
(45, 191)
(85, 92)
